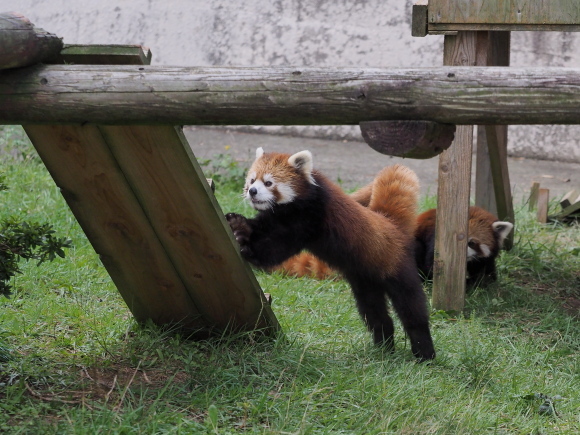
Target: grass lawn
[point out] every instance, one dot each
(80, 364)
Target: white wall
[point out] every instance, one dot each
(366, 33)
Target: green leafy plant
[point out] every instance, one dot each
(25, 240)
(224, 170)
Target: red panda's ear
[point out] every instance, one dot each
(303, 162)
(502, 229)
(259, 152)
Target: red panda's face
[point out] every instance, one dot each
(484, 237)
(277, 178)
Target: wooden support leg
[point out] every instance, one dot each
(497, 146)
(453, 195)
(493, 49)
(484, 193)
(452, 215)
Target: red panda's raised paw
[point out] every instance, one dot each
(241, 230)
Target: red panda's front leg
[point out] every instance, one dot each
(242, 232)
(263, 241)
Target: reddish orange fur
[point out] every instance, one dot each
(393, 193)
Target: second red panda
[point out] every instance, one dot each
(299, 208)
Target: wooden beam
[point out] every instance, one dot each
(174, 194)
(104, 55)
(484, 193)
(497, 145)
(504, 15)
(493, 49)
(288, 96)
(450, 265)
(419, 18)
(23, 44)
(105, 206)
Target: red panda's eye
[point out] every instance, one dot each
(252, 181)
(268, 183)
(471, 244)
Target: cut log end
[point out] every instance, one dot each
(410, 139)
(23, 44)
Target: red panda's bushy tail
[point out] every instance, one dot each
(306, 264)
(394, 193)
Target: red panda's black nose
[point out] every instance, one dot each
(253, 191)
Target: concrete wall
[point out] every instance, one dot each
(365, 33)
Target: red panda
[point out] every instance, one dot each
(299, 208)
(395, 196)
(485, 237)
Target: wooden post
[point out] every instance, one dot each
(493, 49)
(453, 196)
(543, 202)
(497, 145)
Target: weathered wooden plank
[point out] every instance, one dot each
(410, 139)
(419, 18)
(543, 202)
(569, 213)
(449, 269)
(458, 15)
(104, 204)
(493, 48)
(22, 44)
(484, 194)
(497, 144)
(104, 55)
(287, 96)
(177, 200)
(570, 198)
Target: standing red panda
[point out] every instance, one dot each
(299, 208)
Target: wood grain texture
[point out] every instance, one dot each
(492, 183)
(484, 193)
(449, 269)
(410, 139)
(287, 96)
(496, 136)
(104, 55)
(177, 200)
(461, 15)
(22, 44)
(97, 192)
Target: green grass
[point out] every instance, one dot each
(80, 364)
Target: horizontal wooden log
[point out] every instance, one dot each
(22, 44)
(288, 96)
